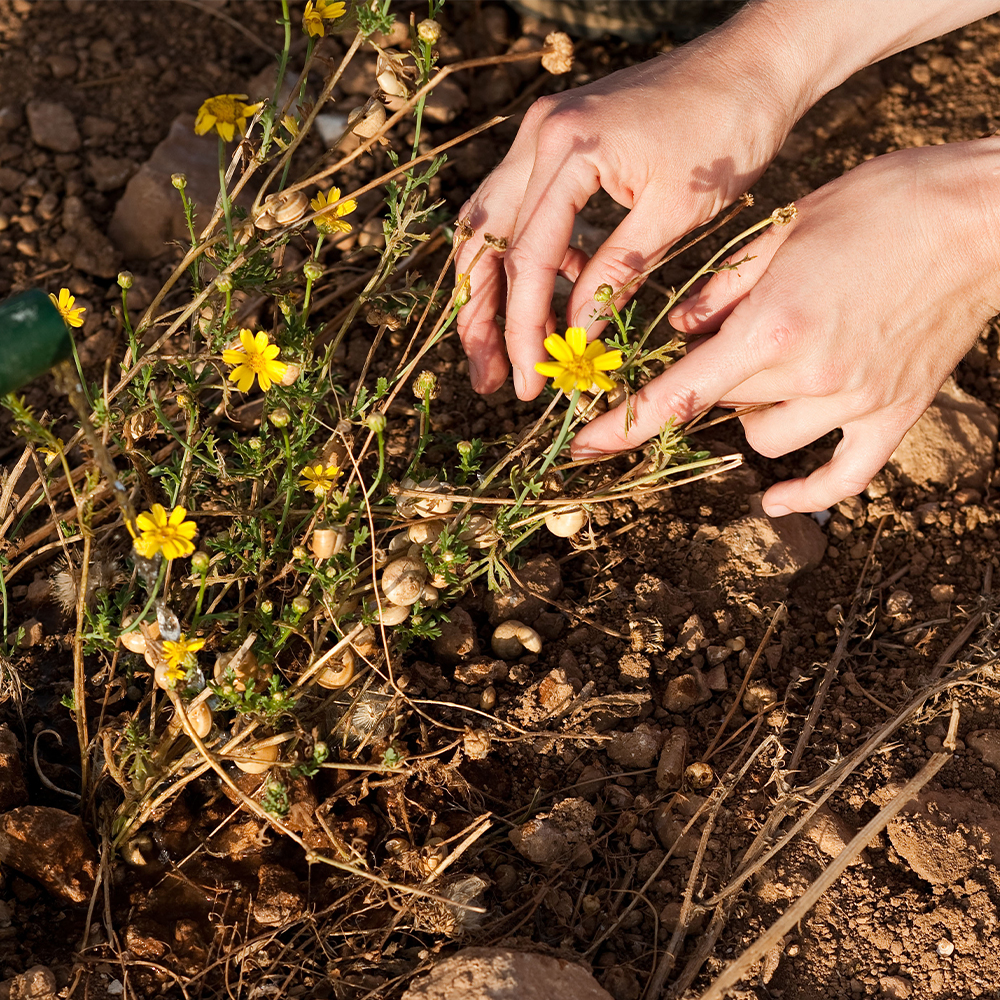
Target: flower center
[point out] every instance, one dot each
(581, 368)
(224, 108)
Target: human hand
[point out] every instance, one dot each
(850, 316)
(674, 140)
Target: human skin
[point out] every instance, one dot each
(851, 316)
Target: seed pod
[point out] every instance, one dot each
(425, 532)
(403, 580)
(328, 541)
(340, 673)
(565, 523)
(511, 639)
(257, 759)
(281, 209)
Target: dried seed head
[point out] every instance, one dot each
(565, 523)
(463, 231)
(498, 243)
(428, 30)
(425, 385)
(559, 58)
(102, 574)
(782, 216)
(476, 744)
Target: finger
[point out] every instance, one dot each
(788, 426)
(712, 304)
(558, 188)
(687, 388)
(627, 252)
(864, 449)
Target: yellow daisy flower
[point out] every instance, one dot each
(578, 365)
(257, 358)
(227, 114)
(180, 657)
(331, 220)
(319, 478)
(318, 11)
(166, 533)
(72, 317)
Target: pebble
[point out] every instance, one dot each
(717, 679)
(481, 670)
(52, 126)
(682, 694)
(591, 781)
(691, 635)
(110, 172)
(554, 691)
(61, 66)
(11, 117)
(670, 768)
(13, 790)
(942, 593)
(986, 742)
(48, 206)
(634, 668)
(636, 750)
(11, 179)
(457, 639)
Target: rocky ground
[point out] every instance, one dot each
(690, 634)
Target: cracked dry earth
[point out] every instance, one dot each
(596, 759)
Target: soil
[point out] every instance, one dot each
(213, 903)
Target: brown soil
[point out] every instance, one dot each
(900, 922)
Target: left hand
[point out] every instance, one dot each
(850, 316)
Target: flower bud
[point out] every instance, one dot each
(464, 449)
(375, 422)
(301, 604)
(604, 293)
(224, 283)
(463, 289)
(299, 552)
(125, 279)
(320, 752)
(280, 417)
(200, 562)
(256, 444)
(287, 309)
(428, 31)
(179, 181)
(267, 607)
(312, 270)
(425, 385)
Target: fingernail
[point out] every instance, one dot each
(520, 385)
(585, 451)
(777, 510)
(683, 309)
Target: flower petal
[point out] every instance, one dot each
(608, 361)
(603, 382)
(270, 352)
(558, 347)
(226, 130)
(247, 340)
(260, 342)
(576, 338)
(234, 357)
(550, 369)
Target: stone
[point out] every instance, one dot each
(986, 742)
(11, 117)
(110, 172)
(691, 635)
(831, 833)
(13, 790)
(670, 768)
(50, 846)
(279, 896)
(555, 690)
(83, 245)
(62, 66)
(635, 750)
(481, 670)
(37, 983)
(682, 694)
(549, 837)
(457, 639)
(98, 128)
(779, 549)
(952, 444)
(540, 579)
(622, 983)
(895, 987)
(52, 126)
(634, 668)
(505, 974)
(445, 101)
(149, 215)
(31, 633)
(11, 179)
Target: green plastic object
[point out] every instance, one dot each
(33, 337)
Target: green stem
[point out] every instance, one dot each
(201, 596)
(288, 492)
(160, 577)
(224, 194)
(286, 20)
(380, 437)
(557, 444)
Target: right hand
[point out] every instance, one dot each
(674, 140)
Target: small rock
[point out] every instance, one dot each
(548, 837)
(942, 593)
(670, 917)
(554, 690)
(682, 694)
(591, 781)
(11, 117)
(110, 172)
(831, 833)
(445, 101)
(48, 206)
(36, 983)
(492, 973)
(636, 750)
(52, 126)
(716, 678)
(61, 66)
(895, 987)
(11, 179)
(481, 670)
(279, 897)
(920, 73)
(83, 245)
(13, 790)
(457, 639)
(691, 635)
(32, 633)
(550, 625)
(634, 668)
(669, 831)
(952, 444)
(780, 549)
(98, 128)
(622, 983)
(51, 847)
(670, 769)
(986, 742)
(541, 578)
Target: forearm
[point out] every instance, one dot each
(808, 47)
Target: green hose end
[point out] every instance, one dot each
(33, 337)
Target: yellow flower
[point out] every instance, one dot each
(319, 478)
(72, 317)
(330, 221)
(318, 11)
(166, 533)
(226, 113)
(578, 365)
(180, 657)
(291, 126)
(257, 358)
